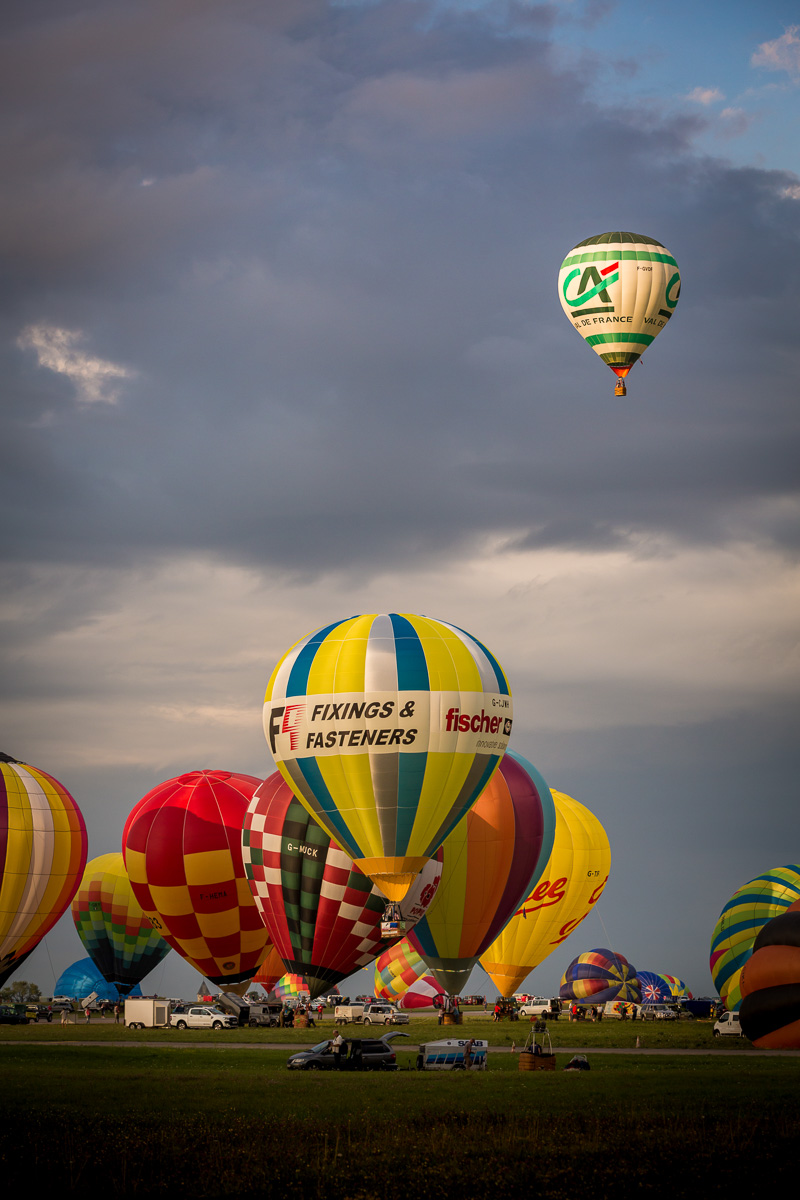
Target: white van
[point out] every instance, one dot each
(728, 1026)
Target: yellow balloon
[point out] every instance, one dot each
(387, 728)
(569, 887)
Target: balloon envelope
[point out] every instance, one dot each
(398, 969)
(82, 978)
(571, 884)
(619, 290)
(323, 914)
(120, 939)
(655, 989)
(770, 984)
(422, 994)
(42, 858)
(182, 845)
(491, 860)
(744, 915)
(388, 727)
(599, 976)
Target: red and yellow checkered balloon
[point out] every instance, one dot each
(183, 855)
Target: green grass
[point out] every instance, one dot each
(203, 1120)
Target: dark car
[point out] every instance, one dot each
(13, 1014)
(358, 1054)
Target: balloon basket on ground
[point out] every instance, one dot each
(537, 1053)
(452, 1018)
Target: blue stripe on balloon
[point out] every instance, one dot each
(412, 667)
(327, 807)
(410, 776)
(298, 676)
(502, 682)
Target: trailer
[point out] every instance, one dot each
(147, 1014)
(453, 1054)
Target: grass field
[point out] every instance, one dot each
(149, 1119)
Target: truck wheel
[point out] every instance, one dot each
(181, 1025)
(366, 1021)
(716, 1033)
(217, 1025)
(254, 1024)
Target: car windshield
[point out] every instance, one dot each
(320, 1048)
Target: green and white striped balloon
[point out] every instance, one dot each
(619, 290)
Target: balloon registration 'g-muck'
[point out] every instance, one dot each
(600, 976)
(182, 845)
(492, 859)
(747, 911)
(570, 885)
(42, 858)
(388, 728)
(120, 939)
(619, 290)
(323, 914)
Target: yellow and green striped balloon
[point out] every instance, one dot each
(741, 921)
(387, 727)
(619, 290)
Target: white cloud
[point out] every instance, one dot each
(701, 95)
(59, 350)
(734, 121)
(792, 192)
(782, 54)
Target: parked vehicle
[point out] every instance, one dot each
(140, 1013)
(345, 1013)
(472, 1001)
(383, 1014)
(546, 1008)
(449, 1054)
(264, 1014)
(39, 1012)
(13, 1014)
(728, 1026)
(201, 1016)
(657, 1012)
(358, 1054)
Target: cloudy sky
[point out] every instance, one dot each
(281, 342)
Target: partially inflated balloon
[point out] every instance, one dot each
(397, 969)
(388, 728)
(619, 290)
(182, 845)
(323, 914)
(42, 858)
(290, 986)
(571, 884)
(492, 859)
(742, 918)
(422, 994)
(677, 987)
(600, 976)
(655, 989)
(120, 939)
(770, 985)
(270, 971)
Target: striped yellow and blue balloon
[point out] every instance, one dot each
(600, 976)
(388, 727)
(740, 922)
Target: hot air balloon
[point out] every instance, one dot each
(600, 976)
(42, 857)
(491, 861)
(82, 978)
(120, 939)
(570, 886)
(654, 988)
(422, 994)
(290, 986)
(388, 728)
(270, 971)
(749, 908)
(770, 984)
(677, 987)
(619, 290)
(323, 914)
(182, 845)
(397, 969)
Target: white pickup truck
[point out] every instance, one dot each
(202, 1017)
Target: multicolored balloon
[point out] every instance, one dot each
(570, 886)
(42, 858)
(323, 914)
(770, 985)
(600, 976)
(290, 986)
(182, 846)
(398, 969)
(492, 859)
(619, 290)
(742, 918)
(120, 939)
(388, 728)
(655, 989)
(677, 987)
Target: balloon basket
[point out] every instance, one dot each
(451, 1018)
(528, 1061)
(301, 1022)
